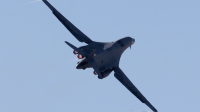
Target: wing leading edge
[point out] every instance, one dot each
(129, 85)
(74, 31)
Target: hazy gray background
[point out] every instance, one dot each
(37, 69)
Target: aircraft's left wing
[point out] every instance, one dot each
(129, 85)
(74, 31)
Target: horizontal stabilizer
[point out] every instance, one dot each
(76, 49)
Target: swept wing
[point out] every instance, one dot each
(129, 85)
(80, 36)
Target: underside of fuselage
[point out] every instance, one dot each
(107, 55)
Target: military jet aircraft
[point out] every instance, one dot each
(103, 57)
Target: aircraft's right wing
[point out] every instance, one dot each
(129, 85)
(74, 31)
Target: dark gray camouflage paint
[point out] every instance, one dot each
(102, 57)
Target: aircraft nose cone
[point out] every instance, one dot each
(133, 40)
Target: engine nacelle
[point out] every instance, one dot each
(95, 73)
(80, 56)
(105, 73)
(75, 52)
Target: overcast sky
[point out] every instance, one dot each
(37, 69)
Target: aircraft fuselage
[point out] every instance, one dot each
(107, 55)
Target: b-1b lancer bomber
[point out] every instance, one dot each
(103, 57)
